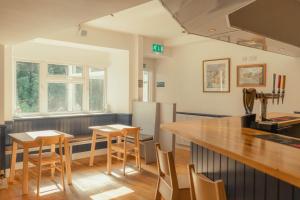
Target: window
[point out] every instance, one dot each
(27, 87)
(65, 88)
(62, 89)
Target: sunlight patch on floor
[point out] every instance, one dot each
(116, 175)
(129, 171)
(92, 182)
(45, 190)
(111, 194)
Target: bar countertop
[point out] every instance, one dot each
(227, 137)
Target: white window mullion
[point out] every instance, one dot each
(43, 88)
(70, 96)
(85, 100)
(105, 91)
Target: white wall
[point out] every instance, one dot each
(182, 74)
(118, 80)
(61, 54)
(5, 82)
(2, 50)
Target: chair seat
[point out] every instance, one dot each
(183, 182)
(47, 158)
(83, 138)
(143, 137)
(120, 146)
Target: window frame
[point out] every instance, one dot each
(45, 79)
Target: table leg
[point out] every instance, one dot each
(13, 162)
(109, 155)
(68, 162)
(93, 146)
(119, 140)
(25, 170)
(52, 165)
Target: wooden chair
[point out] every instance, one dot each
(51, 159)
(170, 186)
(128, 144)
(203, 188)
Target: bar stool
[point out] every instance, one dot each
(170, 186)
(203, 188)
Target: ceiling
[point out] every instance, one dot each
(22, 20)
(148, 19)
(270, 25)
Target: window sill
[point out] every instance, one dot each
(58, 115)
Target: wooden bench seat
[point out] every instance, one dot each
(83, 138)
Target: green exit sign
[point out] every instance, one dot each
(158, 48)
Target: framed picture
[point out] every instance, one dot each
(251, 75)
(216, 75)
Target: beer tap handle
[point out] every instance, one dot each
(274, 86)
(283, 87)
(278, 87)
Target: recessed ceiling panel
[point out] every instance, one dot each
(28, 19)
(270, 25)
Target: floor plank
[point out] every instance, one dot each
(92, 183)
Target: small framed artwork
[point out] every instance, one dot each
(216, 75)
(251, 75)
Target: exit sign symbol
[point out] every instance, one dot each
(158, 48)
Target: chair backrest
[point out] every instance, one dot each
(133, 133)
(203, 188)
(166, 167)
(44, 141)
(49, 140)
(147, 116)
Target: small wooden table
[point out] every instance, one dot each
(27, 140)
(108, 131)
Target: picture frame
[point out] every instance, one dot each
(216, 75)
(253, 75)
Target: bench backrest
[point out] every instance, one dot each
(146, 115)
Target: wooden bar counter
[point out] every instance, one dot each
(252, 168)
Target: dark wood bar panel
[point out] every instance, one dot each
(241, 181)
(252, 168)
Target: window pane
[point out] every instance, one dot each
(96, 90)
(57, 97)
(96, 72)
(27, 82)
(77, 91)
(76, 71)
(65, 70)
(57, 69)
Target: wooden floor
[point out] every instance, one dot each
(92, 183)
